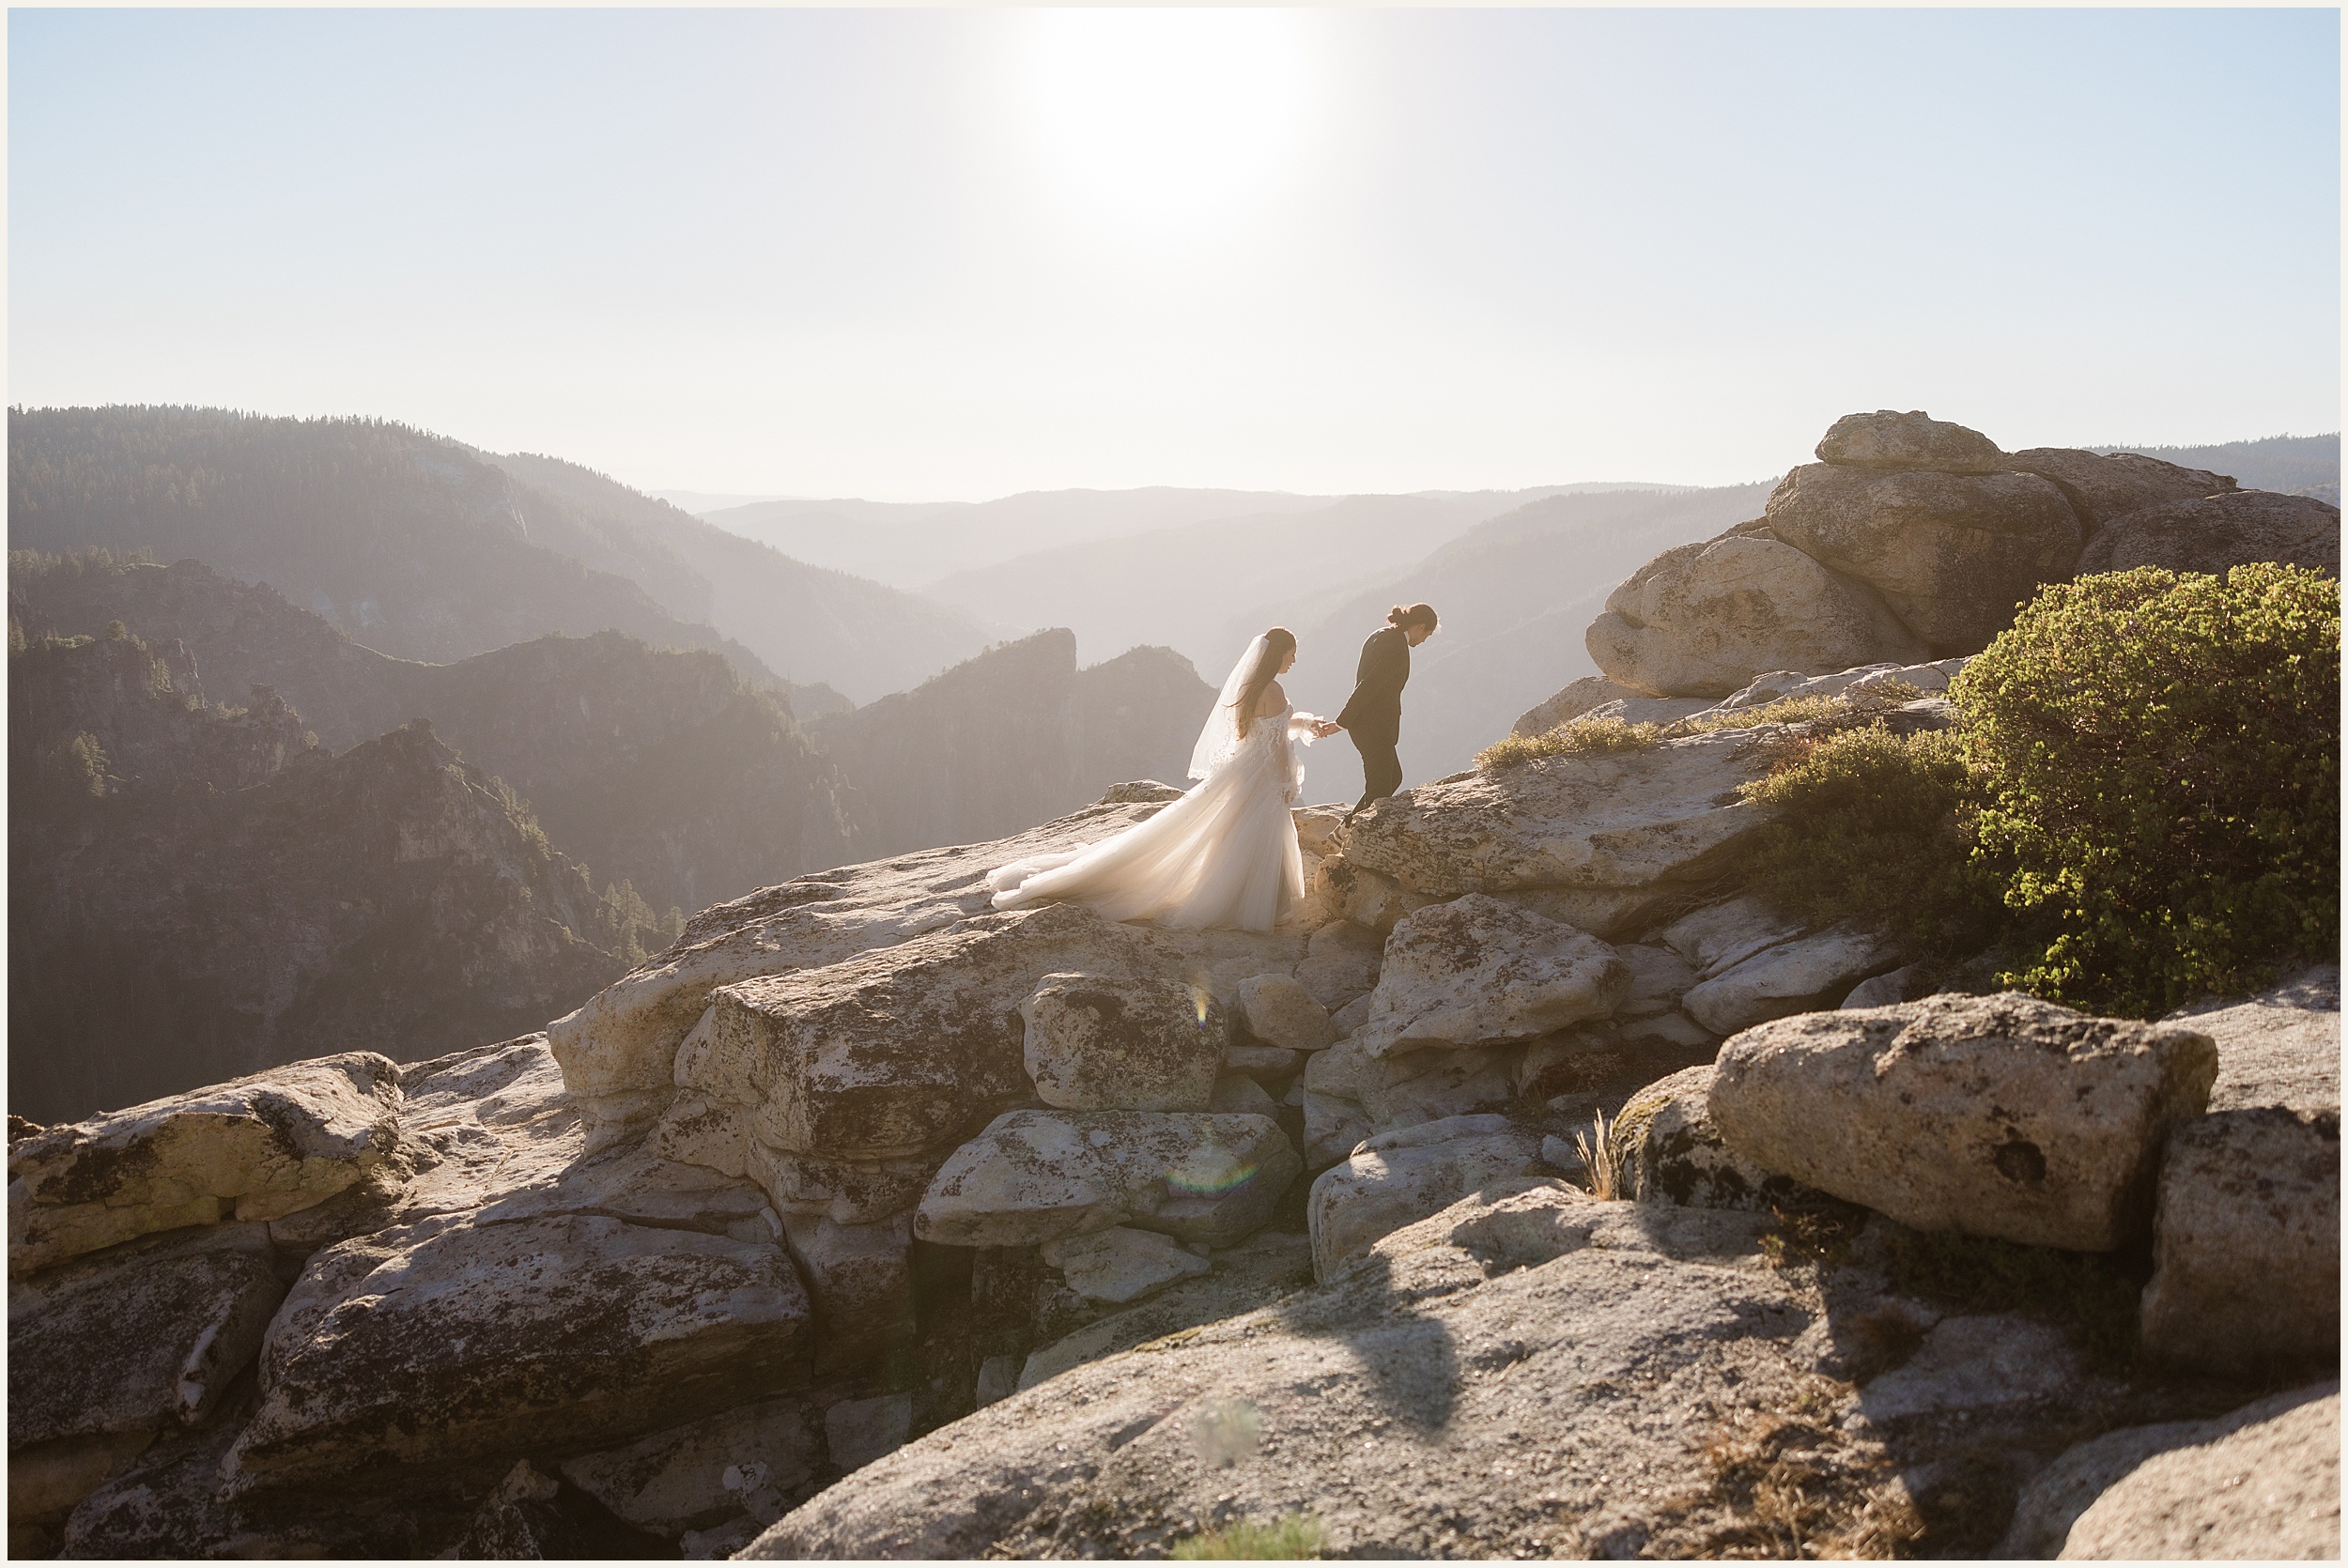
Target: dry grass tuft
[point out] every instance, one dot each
(1840, 711)
(1577, 737)
(1296, 1536)
(1601, 1158)
(1590, 735)
(1798, 1488)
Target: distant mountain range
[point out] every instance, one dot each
(700, 502)
(404, 539)
(661, 768)
(811, 622)
(1206, 588)
(1516, 575)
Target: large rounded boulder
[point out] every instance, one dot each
(1703, 619)
(2101, 487)
(1889, 439)
(1996, 1115)
(1950, 554)
(2213, 533)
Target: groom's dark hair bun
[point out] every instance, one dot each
(1412, 615)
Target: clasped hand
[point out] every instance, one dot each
(1326, 727)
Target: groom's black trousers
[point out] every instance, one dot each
(1381, 770)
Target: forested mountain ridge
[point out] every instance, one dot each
(400, 538)
(420, 547)
(661, 768)
(198, 892)
(2290, 464)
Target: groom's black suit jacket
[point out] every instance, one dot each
(1374, 713)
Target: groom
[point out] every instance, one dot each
(1373, 714)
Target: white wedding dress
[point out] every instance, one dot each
(1223, 854)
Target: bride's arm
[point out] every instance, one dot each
(1301, 728)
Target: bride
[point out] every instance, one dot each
(1223, 854)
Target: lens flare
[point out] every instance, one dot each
(1224, 1431)
(1209, 1172)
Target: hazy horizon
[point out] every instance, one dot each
(715, 503)
(915, 256)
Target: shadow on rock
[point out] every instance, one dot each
(1408, 1357)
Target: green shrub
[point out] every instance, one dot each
(1298, 1535)
(1874, 827)
(2157, 756)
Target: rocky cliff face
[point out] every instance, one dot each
(1017, 733)
(86, 715)
(661, 768)
(199, 893)
(243, 635)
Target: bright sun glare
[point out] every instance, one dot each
(1167, 123)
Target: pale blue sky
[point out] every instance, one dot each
(920, 255)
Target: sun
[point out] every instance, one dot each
(1165, 123)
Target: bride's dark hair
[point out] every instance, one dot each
(1278, 643)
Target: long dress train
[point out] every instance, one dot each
(1223, 854)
